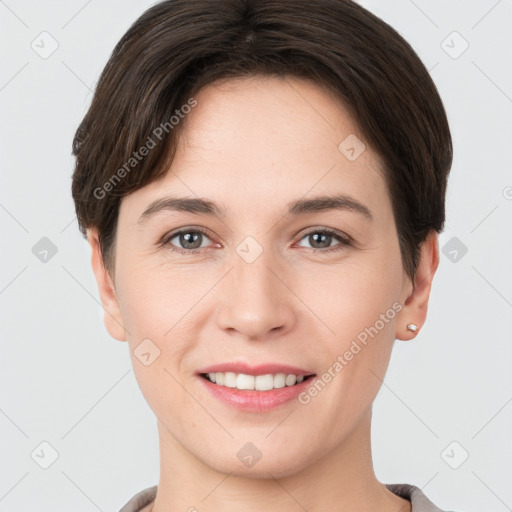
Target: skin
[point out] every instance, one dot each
(254, 145)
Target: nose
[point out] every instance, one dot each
(254, 300)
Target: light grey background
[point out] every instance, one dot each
(65, 382)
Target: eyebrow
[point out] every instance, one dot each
(201, 206)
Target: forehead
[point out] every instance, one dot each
(282, 115)
(266, 140)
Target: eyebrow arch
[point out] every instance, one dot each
(332, 202)
(183, 204)
(201, 206)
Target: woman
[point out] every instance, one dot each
(262, 184)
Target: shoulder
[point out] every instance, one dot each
(419, 501)
(141, 500)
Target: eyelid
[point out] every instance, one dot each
(186, 229)
(343, 239)
(329, 231)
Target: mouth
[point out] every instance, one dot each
(256, 393)
(259, 388)
(265, 382)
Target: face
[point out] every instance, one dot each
(270, 279)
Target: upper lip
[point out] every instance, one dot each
(259, 369)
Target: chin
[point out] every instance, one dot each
(275, 466)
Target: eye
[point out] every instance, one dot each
(323, 237)
(191, 240)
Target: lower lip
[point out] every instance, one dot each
(256, 401)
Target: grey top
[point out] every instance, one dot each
(419, 502)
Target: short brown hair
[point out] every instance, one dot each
(177, 47)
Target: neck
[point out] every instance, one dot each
(341, 480)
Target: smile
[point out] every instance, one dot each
(265, 382)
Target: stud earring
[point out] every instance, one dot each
(412, 327)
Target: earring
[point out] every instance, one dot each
(412, 327)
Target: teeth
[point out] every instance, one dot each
(258, 382)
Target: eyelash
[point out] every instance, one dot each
(345, 240)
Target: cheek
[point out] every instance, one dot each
(359, 302)
(158, 310)
(156, 299)
(352, 295)
(169, 306)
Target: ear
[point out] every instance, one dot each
(415, 302)
(112, 313)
